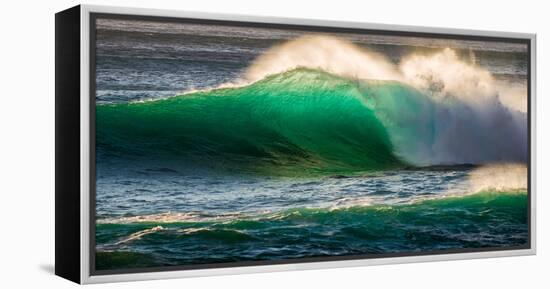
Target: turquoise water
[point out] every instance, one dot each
(303, 121)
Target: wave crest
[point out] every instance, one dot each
(442, 74)
(325, 53)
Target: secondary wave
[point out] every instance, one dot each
(297, 233)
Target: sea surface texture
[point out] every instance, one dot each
(218, 144)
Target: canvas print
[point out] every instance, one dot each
(227, 144)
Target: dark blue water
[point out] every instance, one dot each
(141, 60)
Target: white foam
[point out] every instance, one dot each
(170, 217)
(498, 177)
(138, 235)
(441, 73)
(327, 53)
(444, 74)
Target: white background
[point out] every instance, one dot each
(27, 143)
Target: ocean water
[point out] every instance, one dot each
(219, 144)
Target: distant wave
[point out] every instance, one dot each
(309, 120)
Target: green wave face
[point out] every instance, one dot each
(487, 219)
(301, 121)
